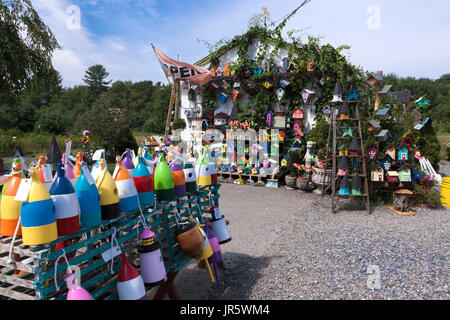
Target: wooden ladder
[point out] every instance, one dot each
(363, 171)
(173, 104)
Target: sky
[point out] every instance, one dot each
(404, 37)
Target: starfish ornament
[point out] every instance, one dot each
(348, 132)
(352, 95)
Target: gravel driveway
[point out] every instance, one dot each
(287, 245)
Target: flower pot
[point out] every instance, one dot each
(302, 183)
(290, 181)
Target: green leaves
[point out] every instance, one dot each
(26, 46)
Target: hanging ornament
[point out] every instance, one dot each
(280, 93)
(235, 95)
(223, 97)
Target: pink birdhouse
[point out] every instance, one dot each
(307, 95)
(269, 119)
(219, 72)
(298, 114)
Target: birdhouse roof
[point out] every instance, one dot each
(387, 157)
(356, 182)
(385, 89)
(402, 96)
(308, 91)
(221, 115)
(345, 108)
(355, 145)
(344, 182)
(343, 163)
(337, 88)
(383, 133)
(383, 112)
(374, 124)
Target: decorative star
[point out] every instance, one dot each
(352, 95)
(348, 132)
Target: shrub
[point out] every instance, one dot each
(153, 125)
(51, 122)
(178, 124)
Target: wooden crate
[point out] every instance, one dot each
(85, 247)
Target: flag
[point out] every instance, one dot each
(182, 70)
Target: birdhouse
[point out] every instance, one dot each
(343, 150)
(373, 126)
(226, 69)
(213, 70)
(284, 64)
(355, 147)
(425, 122)
(269, 119)
(343, 166)
(402, 153)
(386, 162)
(223, 97)
(267, 84)
(297, 144)
(280, 93)
(344, 111)
(392, 176)
(298, 114)
(266, 66)
(344, 187)
(235, 95)
(356, 184)
(284, 83)
(214, 85)
(326, 110)
(225, 84)
(375, 79)
(383, 135)
(422, 102)
(291, 67)
(352, 95)
(383, 113)
(257, 71)
(404, 175)
(231, 169)
(407, 139)
(281, 136)
(371, 153)
(219, 72)
(390, 150)
(279, 122)
(254, 171)
(377, 174)
(308, 96)
(275, 68)
(337, 93)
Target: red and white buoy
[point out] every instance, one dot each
(130, 285)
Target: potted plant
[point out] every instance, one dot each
(302, 181)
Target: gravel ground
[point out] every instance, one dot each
(288, 245)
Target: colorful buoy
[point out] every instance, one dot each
(152, 264)
(143, 180)
(67, 208)
(130, 285)
(127, 161)
(109, 195)
(148, 159)
(178, 178)
(10, 208)
(69, 170)
(76, 292)
(44, 173)
(38, 215)
(128, 197)
(88, 198)
(219, 226)
(202, 170)
(164, 183)
(190, 177)
(78, 163)
(213, 171)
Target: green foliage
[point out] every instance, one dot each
(51, 121)
(295, 156)
(26, 46)
(319, 134)
(423, 195)
(95, 78)
(178, 124)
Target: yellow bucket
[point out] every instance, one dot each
(445, 192)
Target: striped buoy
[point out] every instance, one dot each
(78, 163)
(109, 195)
(190, 177)
(202, 170)
(136, 159)
(69, 172)
(38, 215)
(128, 198)
(88, 198)
(164, 184)
(213, 171)
(10, 208)
(67, 208)
(143, 180)
(42, 177)
(148, 160)
(127, 161)
(130, 285)
(178, 178)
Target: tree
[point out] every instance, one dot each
(95, 78)
(26, 46)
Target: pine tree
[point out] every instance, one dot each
(95, 78)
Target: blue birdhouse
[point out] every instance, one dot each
(402, 153)
(223, 97)
(344, 187)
